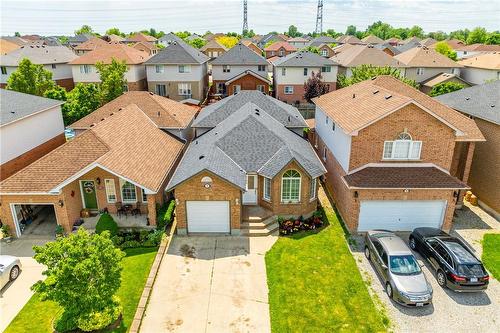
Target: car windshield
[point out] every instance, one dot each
(404, 265)
(468, 270)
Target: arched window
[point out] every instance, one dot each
(403, 148)
(290, 186)
(404, 136)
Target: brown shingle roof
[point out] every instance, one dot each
(116, 51)
(145, 46)
(481, 48)
(278, 45)
(364, 103)
(372, 39)
(213, 44)
(164, 112)
(441, 78)
(127, 143)
(485, 61)
(356, 55)
(140, 37)
(425, 57)
(403, 177)
(91, 44)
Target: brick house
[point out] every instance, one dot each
(246, 166)
(213, 49)
(114, 164)
(89, 45)
(325, 50)
(291, 72)
(55, 59)
(396, 158)
(22, 139)
(85, 71)
(252, 46)
(238, 69)
(279, 49)
(179, 72)
(481, 103)
(481, 68)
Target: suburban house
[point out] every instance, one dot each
(298, 42)
(213, 49)
(410, 44)
(316, 42)
(78, 39)
(89, 45)
(393, 41)
(251, 165)
(291, 72)
(140, 37)
(179, 72)
(396, 158)
(271, 37)
(238, 69)
(428, 42)
(251, 45)
(169, 38)
(84, 70)
(481, 68)
(325, 50)
(149, 48)
(427, 85)
(422, 63)
(357, 55)
(466, 51)
(55, 59)
(388, 48)
(350, 40)
(372, 39)
(22, 139)
(7, 46)
(481, 103)
(279, 49)
(114, 166)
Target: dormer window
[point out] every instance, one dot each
(324, 52)
(403, 148)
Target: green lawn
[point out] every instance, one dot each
(37, 315)
(491, 254)
(315, 285)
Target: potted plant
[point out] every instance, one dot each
(6, 233)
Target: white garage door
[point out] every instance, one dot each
(401, 215)
(208, 216)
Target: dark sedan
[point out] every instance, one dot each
(456, 266)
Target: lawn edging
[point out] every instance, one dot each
(148, 287)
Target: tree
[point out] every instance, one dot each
(81, 101)
(60, 94)
(85, 29)
(115, 31)
(312, 49)
(30, 79)
(83, 275)
(227, 41)
(293, 31)
(367, 72)
(438, 35)
(183, 34)
(351, 30)
(17, 34)
(477, 35)
(197, 43)
(63, 40)
(112, 80)
(380, 29)
(493, 38)
(445, 88)
(445, 49)
(314, 86)
(332, 33)
(248, 33)
(460, 34)
(416, 31)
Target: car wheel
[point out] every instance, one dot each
(367, 252)
(413, 244)
(441, 278)
(14, 273)
(388, 290)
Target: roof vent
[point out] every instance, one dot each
(201, 157)
(92, 125)
(12, 112)
(119, 109)
(196, 142)
(288, 118)
(492, 105)
(467, 98)
(387, 96)
(375, 92)
(112, 113)
(353, 95)
(158, 113)
(151, 93)
(102, 119)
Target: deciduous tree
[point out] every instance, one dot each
(445, 49)
(30, 79)
(445, 88)
(477, 35)
(367, 72)
(81, 101)
(493, 38)
(197, 43)
(351, 30)
(115, 31)
(112, 80)
(85, 29)
(314, 86)
(228, 41)
(293, 31)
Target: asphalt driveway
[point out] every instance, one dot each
(211, 284)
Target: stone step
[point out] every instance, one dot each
(260, 232)
(255, 218)
(269, 224)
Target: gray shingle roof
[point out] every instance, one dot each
(304, 59)
(40, 55)
(169, 38)
(80, 38)
(408, 46)
(15, 105)
(215, 113)
(481, 101)
(247, 141)
(178, 53)
(322, 40)
(388, 46)
(240, 55)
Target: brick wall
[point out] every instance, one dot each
(298, 92)
(270, 54)
(67, 84)
(141, 85)
(9, 168)
(248, 82)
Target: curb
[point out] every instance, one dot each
(148, 287)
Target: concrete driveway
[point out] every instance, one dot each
(211, 284)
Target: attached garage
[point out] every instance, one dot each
(208, 216)
(401, 215)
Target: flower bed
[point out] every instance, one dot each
(291, 225)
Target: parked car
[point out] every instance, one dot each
(10, 267)
(456, 266)
(398, 268)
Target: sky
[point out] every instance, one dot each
(48, 17)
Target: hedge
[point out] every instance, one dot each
(165, 214)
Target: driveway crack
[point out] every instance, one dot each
(211, 280)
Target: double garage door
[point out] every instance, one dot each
(208, 216)
(401, 215)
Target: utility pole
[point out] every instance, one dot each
(319, 18)
(245, 21)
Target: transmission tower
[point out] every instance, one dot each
(245, 21)
(319, 18)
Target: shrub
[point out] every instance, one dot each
(164, 214)
(106, 222)
(130, 244)
(59, 230)
(117, 240)
(156, 236)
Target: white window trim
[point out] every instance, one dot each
(226, 69)
(324, 153)
(127, 201)
(85, 69)
(159, 68)
(283, 71)
(300, 188)
(185, 69)
(266, 196)
(180, 89)
(305, 71)
(143, 194)
(324, 52)
(111, 190)
(420, 71)
(410, 149)
(314, 184)
(263, 68)
(285, 90)
(263, 87)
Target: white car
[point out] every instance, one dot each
(10, 267)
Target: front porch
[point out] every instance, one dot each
(258, 221)
(123, 221)
(254, 213)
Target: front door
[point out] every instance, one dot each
(250, 195)
(88, 194)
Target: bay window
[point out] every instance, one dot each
(312, 192)
(267, 189)
(290, 186)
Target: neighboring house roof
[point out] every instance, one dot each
(484, 61)
(442, 78)
(145, 46)
(311, 123)
(428, 42)
(178, 53)
(358, 106)
(7, 46)
(193, 37)
(251, 45)
(481, 101)
(278, 45)
(248, 72)
(322, 40)
(127, 144)
(351, 40)
(115, 38)
(388, 46)
(454, 43)
(40, 55)
(248, 140)
(169, 38)
(365, 54)
(240, 55)
(425, 57)
(164, 112)
(298, 40)
(304, 59)
(140, 37)
(116, 51)
(213, 114)
(16, 40)
(15, 105)
(91, 44)
(372, 39)
(481, 48)
(213, 44)
(272, 37)
(411, 39)
(393, 40)
(402, 178)
(79, 38)
(408, 46)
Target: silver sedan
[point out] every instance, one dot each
(10, 267)
(393, 260)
